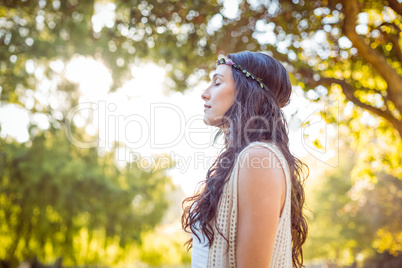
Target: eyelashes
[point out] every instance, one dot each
(217, 83)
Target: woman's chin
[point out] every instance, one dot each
(207, 121)
(210, 122)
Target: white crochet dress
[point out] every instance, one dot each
(227, 219)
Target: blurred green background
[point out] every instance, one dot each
(65, 205)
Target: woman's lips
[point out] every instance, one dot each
(206, 107)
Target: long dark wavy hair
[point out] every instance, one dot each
(261, 110)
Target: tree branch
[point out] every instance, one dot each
(372, 56)
(348, 91)
(397, 48)
(395, 5)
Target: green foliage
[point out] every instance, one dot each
(161, 249)
(335, 234)
(351, 220)
(162, 31)
(311, 37)
(60, 200)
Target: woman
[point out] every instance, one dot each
(249, 212)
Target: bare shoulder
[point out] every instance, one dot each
(261, 178)
(261, 160)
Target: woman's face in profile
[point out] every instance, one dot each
(219, 96)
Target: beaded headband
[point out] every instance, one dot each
(237, 66)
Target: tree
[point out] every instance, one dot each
(356, 43)
(357, 46)
(316, 40)
(57, 200)
(351, 220)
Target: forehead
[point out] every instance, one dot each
(224, 70)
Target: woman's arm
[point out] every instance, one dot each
(262, 193)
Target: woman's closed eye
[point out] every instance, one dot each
(217, 83)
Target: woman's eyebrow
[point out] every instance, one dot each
(216, 75)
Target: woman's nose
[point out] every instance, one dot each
(205, 95)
